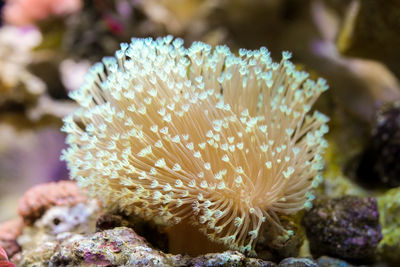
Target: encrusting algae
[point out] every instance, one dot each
(199, 134)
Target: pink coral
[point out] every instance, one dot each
(9, 232)
(40, 198)
(24, 12)
(4, 259)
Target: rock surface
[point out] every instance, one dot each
(346, 228)
(298, 262)
(274, 246)
(60, 223)
(66, 236)
(389, 209)
(325, 261)
(121, 246)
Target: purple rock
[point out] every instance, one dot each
(298, 262)
(325, 261)
(98, 259)
(346, 227)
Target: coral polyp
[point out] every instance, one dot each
(225, 141)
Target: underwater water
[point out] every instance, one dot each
(199, 133)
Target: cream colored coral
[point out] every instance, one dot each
(16, 45)
(172, 133)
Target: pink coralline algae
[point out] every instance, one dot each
(4, 259)
(25, 12)
(40, 198)
(9, 232)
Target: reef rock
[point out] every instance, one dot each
(118, 246)
(298, 262)
(275, 247)
(346, 227)
(326, 261)
(44, 238)
(389, 209)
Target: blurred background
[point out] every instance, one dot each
(46, 47)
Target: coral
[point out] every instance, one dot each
(40, 198)
(346, 227)
(63, 219)
(43, 239)
(379, 162)
(26, 83)
(73, 73)
(389, 209)
(298, 262)
(24, 12)
(4, 259)
(224, 141)
(16, 82)
(9, 232)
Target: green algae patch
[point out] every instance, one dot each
(389, 209)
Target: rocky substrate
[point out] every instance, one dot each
(342, 231)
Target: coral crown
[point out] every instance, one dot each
(171, 133)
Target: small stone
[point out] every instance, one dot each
(227, 258)
(252, 262)
(346, 227)
(325, 261)
(298, 262)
